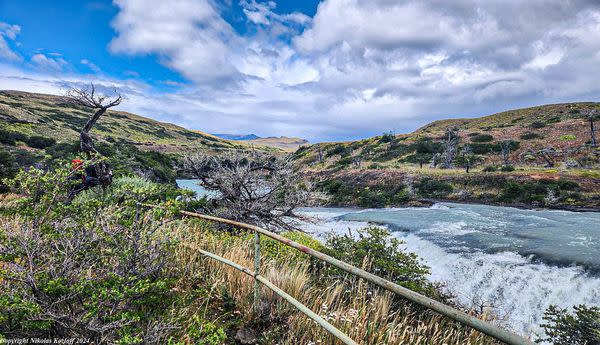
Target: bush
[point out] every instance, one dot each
(88, 269)
(580, 328)
(490, 168)
(39, 142)
(537, 125)
(430, 188)
(11, 137)
(530, 136)
(536, 191)
(382, 254)
(482, 138)
(338, 149)
(483, 148)
(507, 168)
(567, 137)
(7, 168)
(387, 137)
(278, 251)
(427, 146)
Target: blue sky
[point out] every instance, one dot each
(331, 70)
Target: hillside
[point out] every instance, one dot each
(50, 116)
(37, 129)
(547, 143)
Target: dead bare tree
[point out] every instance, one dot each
(549, 155)
(467, 154)
(88, 97)
(505, 148)
(591, 116)
(450, 145)
(252, 187)
(357, 160)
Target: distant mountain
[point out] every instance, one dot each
(237, 136)
(284, 143)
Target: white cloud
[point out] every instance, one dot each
(190, 36)
(43, 62)
(10, 32)
(90, 65)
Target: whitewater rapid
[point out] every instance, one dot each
(497, 256)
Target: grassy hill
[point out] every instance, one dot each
(547, 143)
(39, 129)
(50, 116)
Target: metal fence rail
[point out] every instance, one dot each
(455, 314)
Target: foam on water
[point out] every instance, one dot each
(519, 287)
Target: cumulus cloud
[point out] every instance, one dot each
(10, 32)
(190, 36)
(46, 63)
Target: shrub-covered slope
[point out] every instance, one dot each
(548, 144)
(51, 117)
(38, 129)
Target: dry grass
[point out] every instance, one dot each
(366, 315)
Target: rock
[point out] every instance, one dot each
(245, 336)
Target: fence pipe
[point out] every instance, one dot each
(256, 272)
(258, 278)
(457, 315)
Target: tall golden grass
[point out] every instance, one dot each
(367, 315)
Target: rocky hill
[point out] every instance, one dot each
(544, 143)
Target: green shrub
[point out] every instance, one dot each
(95, 265)
(482, 138)
(40, 142)
(567, 137)
(338, 149)
(383, 255)
(507, 168)
(343, 194)
(11, 137)
(536, 191)
(276, 250)
(431, 188)
(489, 168)
(483, 148)
(537, 125)
(427, 146)
(386, 138)
(553, 119)
(7, 168)
(580, 328)
(530, 136)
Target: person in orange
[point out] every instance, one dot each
(87, 175)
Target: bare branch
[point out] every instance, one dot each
(251, 187)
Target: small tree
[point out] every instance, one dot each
(252, 187)
(450, 145)
(592, 115)
(468, 157)
(505, 148)
(88, 98)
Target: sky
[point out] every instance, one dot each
(321, 70)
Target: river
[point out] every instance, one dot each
(518, 261)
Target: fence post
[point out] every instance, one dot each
(256, 272)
